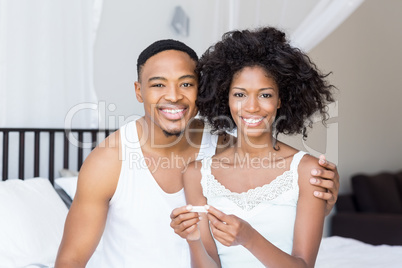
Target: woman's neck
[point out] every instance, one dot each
(255, 146)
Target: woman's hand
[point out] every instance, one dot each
(229, 230)
(185, 223)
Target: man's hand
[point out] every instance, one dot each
(329, 180)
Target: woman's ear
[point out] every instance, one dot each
(279, 104)
(137, 87)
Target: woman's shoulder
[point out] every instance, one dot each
(308, 162)
(306, 165)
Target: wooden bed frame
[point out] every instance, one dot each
(95, 136)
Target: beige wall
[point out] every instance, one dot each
(365, 56)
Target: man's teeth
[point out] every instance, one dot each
(252, 121)
(173, 111)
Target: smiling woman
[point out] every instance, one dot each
(254, 98)
(288, 73)
(261, 210)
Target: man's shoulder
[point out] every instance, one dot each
(101, 170)
(110, 146)
(192, 173)
(105, 157)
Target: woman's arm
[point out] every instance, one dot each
(231, 230)
(310, 215)
(192, 226)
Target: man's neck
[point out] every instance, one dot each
(154, 138)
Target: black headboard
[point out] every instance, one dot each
(80, 137)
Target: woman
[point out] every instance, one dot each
(261, 210)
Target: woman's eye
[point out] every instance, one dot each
(186, 85)
(266, 95)
(239, 95)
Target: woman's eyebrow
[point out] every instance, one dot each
(264, 88)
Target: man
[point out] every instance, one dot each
(131, 182)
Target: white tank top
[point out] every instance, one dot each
(270, 209)
(137, 231)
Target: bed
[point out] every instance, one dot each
(336, 251)
(39, 169)
(39, 174)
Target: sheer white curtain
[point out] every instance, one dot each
(325, 17)
(307, 22)
(46, 62)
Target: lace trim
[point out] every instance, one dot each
(253, 197)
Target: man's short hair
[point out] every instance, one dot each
(162, 45)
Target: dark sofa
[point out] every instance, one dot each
(372, 213)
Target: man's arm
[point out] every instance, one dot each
(329, 180)
(97, 182)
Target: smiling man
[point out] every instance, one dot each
(130, 183)
(168, 90)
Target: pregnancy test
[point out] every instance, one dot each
(198, 209)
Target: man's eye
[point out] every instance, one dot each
(157, 85)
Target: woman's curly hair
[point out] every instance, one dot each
(303, 89)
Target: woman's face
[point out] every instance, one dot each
(253, 101)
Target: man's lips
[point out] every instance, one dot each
(173, 113)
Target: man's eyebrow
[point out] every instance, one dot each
(188, 76)
(157, 78)
(164, 79)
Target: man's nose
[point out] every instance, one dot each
(173, 93)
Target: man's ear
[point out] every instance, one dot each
(137, 87)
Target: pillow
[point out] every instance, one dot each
(64, 196)
(398, 178)
(377, 193)
(68, 184)
(32, 217)
(68, 173)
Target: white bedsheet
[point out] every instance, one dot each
(342, 252)
(40, 265)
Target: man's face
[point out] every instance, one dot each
(168, 88)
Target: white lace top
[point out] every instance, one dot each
(270, 209)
